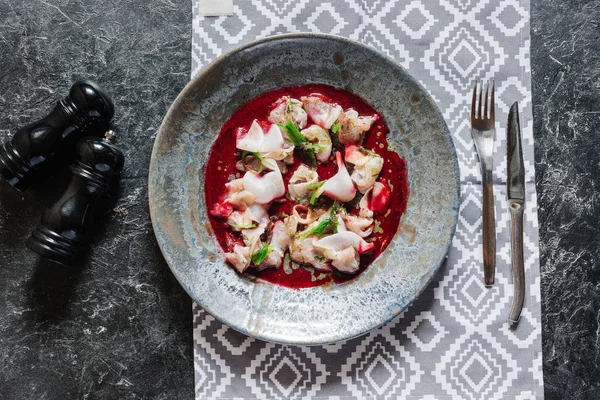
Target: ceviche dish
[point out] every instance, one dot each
(302, 188)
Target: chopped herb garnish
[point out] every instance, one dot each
(369, 152)
(260, 255)
(335, 128)
(315, 185)
(236, 226)
(334, 210)
(314, 146)
(321, 276)
(314, 195)
(293, 133)
(333, 221)
(317, 230)
(377, 228)
(300, 142)
(290, 105)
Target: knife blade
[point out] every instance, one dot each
(515, 190)
(516, 172)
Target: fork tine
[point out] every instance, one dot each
(492, 102)
(485, 108)
(479, 114)
(473, 103)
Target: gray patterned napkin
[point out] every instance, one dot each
(453, 343)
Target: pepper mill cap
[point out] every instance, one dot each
(91, 101)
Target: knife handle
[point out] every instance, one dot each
(518, 266)
(488, 229)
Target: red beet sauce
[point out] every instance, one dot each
(221, 165)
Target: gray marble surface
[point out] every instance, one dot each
(119, 326)
(565, 61)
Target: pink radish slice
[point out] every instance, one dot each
(266, 188)
(272, 140)
(252, 139)
(260, 138)
(340, 186)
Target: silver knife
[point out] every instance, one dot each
(515, 190)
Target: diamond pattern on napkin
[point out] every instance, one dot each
(453, 343)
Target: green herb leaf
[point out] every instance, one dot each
(314, 146)
(333, 221)
(307, 149)
(317, 230)
(315, 185)
(314, 195)
(290, 106)
(377, 228)
(335, 128)
(260, 255)
(334, 210)
(236, 226)
(369, 152)
(293, 133)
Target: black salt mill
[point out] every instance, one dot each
(33, 150)
(65, 226)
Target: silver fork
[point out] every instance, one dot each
(483, 132)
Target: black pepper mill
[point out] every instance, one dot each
(65, 225)
(33, 149)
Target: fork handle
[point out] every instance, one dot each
(518, 266)
(489, 229)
